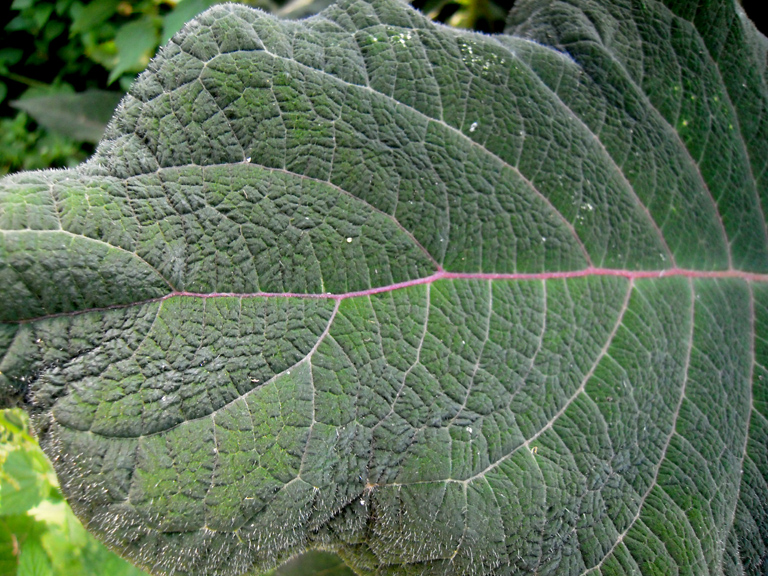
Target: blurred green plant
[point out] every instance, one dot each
(484, 15)
(87, 51)
(39, 534)
(23, 147)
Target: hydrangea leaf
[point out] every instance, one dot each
(439, 302)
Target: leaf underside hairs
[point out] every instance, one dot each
(437, 301)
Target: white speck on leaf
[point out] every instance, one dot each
(473, 127)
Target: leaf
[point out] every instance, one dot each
(439, 302)
(21, 483)
(9, 57)
(182, 13)
(21, 4)
(92, 14)
(33, 560)
(134, 42)
(72, 551)
(82, 116)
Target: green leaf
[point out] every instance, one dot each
(21, 4)
(92, 15)
(41, 14)
(183, 12)
(82, 116)
(435, 301)
(10, 56)
(70, 548)
(135, 43)
(33, 560)
(21, 482)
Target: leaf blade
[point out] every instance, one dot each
(464, 241)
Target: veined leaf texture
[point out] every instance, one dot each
(441, 302)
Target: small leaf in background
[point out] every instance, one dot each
(92, 14)
(33, 560)
(135, 42)
(32, 149)
(13, 429)
(182, 13)
(21, 4)
(296, 9)
(82, 116)
(22, 484)
(72, 550)
(41, 14)
(9, 57)
(471, 12)
(33, 17)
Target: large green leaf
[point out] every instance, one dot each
(441, 302)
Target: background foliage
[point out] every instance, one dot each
(64, 64)
(52, 48)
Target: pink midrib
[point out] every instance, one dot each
(440, 275)
(443, 275)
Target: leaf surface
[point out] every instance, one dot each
(440, 302)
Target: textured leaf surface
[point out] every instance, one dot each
(443, 303)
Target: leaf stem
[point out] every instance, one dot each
(31, 82)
